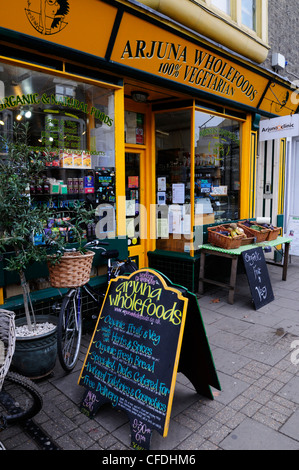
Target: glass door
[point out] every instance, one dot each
(135, 204)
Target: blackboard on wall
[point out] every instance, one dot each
(133, 356)
(258, 277)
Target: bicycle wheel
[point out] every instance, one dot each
(69, 330)
(20, 398)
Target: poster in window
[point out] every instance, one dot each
(293, 232)
(178, 193)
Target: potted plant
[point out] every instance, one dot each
(22, 222)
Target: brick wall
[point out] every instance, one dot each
(284, 35)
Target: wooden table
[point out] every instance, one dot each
(234, 256)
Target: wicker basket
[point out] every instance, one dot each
(260, 235)
(273, 234)
(8, 342)
(222, 241)
(72, 270)
(247, 241)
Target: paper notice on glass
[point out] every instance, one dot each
(161, 184)
(293, 232)
(175, 219)
(162, 228)
(161, 197)
(130, 228)
(178, 193)
(219, 191)
(130, 207)
(186, 224)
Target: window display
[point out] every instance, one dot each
(215, 176)
(217, 169)
(173, 132)
(72, 119)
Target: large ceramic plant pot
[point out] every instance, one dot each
(35, 356)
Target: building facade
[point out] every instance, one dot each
(153, 109)
(276, 191)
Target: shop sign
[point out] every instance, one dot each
(279, 100)
(258, 277)
(84, 26)
(149, 48)
(133, 356)
(13, 101)
(279, 128)
(147, 331)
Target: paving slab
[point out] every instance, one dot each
(251, 435)
(291, 390)
(228, 362)
(230, 388)
(291, 427)
(263, 352)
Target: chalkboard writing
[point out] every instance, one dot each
(258, 277)
(133, 356)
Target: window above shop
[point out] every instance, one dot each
(223, 5)
(249, 13)
(240, 25)
(245, 13)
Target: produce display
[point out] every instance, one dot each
(258, 227)
(262, 231)
(232, 230)
(244, 232)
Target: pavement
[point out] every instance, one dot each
(255, 354)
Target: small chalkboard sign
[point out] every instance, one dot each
(258, 277)
(133, 356)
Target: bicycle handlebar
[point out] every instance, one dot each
(94, 244)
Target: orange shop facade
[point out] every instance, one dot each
(162, 120)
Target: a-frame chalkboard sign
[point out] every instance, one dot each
(258, 277)
(134, 354)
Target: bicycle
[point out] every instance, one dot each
(20, 398)
(69, 328)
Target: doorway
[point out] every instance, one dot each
(136, 220)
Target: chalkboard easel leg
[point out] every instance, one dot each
(201, 386)
(201, 273)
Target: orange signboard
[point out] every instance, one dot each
(85, 26)
(279, 100)
(149, 48)
(146, 46)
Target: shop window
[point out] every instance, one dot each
(249, 14)
(75, 120)
(134, 128)
(173, 133)
(223, 5)
(217, 169)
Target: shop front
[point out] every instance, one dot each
(153, 125)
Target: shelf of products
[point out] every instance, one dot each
(65, 183)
